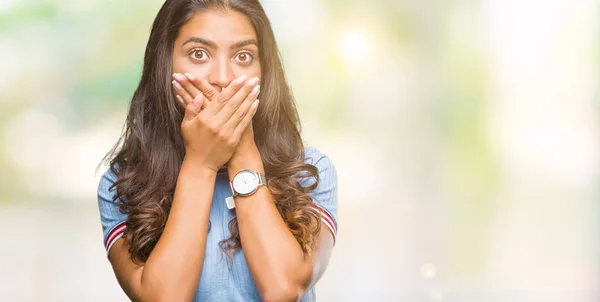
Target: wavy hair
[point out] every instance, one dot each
(148, 155)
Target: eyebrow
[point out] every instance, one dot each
(213, 45)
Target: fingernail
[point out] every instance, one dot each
(180, 99)
(255, 104)
(190, 77)
(241, 79)
(177, 86)
(179, 77)
(252, 81)
(256, 89)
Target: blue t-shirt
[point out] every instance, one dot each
(222, 280)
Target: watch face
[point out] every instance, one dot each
(245, 182)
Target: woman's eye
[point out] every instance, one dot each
(244, 57)
(199, 54)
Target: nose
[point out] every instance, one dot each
(220, 74)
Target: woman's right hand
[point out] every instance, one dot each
(213, 133)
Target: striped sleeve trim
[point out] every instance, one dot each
(113, 235)
(327, 219)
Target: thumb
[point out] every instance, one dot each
(193, 108)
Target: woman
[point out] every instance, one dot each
(210, 195)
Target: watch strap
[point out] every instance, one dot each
(262, 179)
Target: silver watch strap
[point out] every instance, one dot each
(262, 179)
(230, 202)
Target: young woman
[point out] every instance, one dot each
(211, 194)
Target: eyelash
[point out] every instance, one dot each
(246, 52)
(195, 50)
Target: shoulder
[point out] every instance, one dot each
(322, 162)
(327, 175)
(106, 186)
(111, 218)
(108, 177)
(312, 153)
(325, 194)
(315, 157)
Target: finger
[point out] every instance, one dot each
(186, 84)
(195, 82)
(192, 109)
(205, 87)
(180, 101)
(246, 121)
(187, 98)
(218, 99)
(202, 100)
(250, 89)
(239, 113)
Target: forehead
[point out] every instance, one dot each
(222, 27)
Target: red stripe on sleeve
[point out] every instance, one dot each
(112, 235)
(327, 219)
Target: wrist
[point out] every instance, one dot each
(245, 159)
(197, 163)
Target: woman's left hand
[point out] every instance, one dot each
(189, 87)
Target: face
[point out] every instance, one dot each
(217, 46)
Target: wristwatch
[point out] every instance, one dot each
(246, 182)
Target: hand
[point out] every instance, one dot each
(189, 88)
(213, 133)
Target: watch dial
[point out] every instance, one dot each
(245, 182)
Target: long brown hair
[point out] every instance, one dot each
(148, 155)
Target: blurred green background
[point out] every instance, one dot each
(465, 134)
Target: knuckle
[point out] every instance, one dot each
(212, 127)
(209, 94)
(248, 89)
(239, 114)
(222, 133)
(222, 99)
(198, 123)
(231, 142)
(202, 119)
(234, 104)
